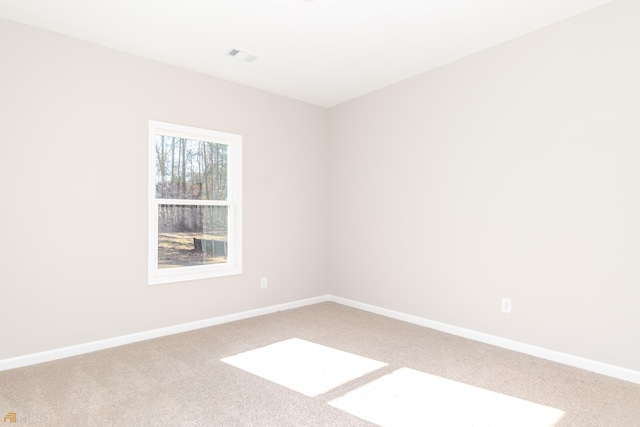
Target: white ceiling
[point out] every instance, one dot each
(323, 52)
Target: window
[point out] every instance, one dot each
(195, 208)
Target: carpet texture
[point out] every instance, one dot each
(181, 380)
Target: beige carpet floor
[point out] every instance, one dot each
(411, 376)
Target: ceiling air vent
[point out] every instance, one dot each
(242, 55)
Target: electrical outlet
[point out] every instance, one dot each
(264, 282)
(506, 305)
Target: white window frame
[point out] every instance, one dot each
(234, 202)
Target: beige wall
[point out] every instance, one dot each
(73, 121)
(511, 173)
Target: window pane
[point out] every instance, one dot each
(191, 235)
(190, 169)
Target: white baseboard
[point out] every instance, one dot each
(555, 356)
(75, 350)
(543, 353)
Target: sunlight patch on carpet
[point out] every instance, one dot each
(412, 398)
(303, 366)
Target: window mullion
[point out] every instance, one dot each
(189, 202)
